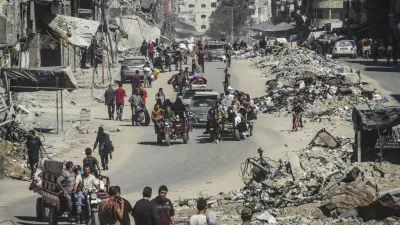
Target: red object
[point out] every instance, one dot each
(179, 126)
(151, 47)
(135, 81)
(193, 79)
(144, 96)
(120, 95)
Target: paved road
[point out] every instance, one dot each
(387, 76)
(180, 166)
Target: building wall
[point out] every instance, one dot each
(326, 11)
(261, 10)
(200, 12)
(10, 22)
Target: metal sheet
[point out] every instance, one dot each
(74, 30)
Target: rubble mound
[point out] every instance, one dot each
(325, 89)
(14, 162)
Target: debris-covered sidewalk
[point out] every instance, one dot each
(325, 88)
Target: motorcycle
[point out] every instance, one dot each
(164, 133)
(90, 213)
(143, 117)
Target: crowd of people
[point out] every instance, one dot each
(76, 183)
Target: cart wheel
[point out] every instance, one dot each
(236, 135)
(251, 130)
(185, 138)
(242, 136)
(45, 213)
(167, 140)
(39, 209)
(53, 216)
(146, 118)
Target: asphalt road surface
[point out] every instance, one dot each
(180, 166)
(386, 75)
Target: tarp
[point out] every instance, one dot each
(189, 32)
(376, 117)
(268, 26)
(75, 30)
(39, 79)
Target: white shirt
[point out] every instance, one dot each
(88, 183)
(198, 219)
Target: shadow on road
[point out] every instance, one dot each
(371, 63)
(396, 96)
(27, 220)
(383, 69)
(154, 143)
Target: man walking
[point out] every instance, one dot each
(135, 81)
(135, 100)
(199, 218)
(33, 147)
(109, 101)
(145, 211)
(143, 93)
(227, 81)
(164, 207)
(127, 208)
(160, 96)
(120, 94)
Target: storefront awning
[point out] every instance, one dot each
(40, 78)
(74, 30)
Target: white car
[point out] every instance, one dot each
(344, 48)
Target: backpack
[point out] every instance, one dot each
(110, 211)
(109, 145)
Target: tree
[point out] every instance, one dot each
(221, 18)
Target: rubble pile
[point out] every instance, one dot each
(327, 189)
(14, 160)
(324, 87)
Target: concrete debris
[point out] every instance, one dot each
(324, 87)
(14, 160)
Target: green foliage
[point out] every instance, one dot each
(221, 18)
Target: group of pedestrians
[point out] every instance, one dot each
(116, 99)
(147, 211)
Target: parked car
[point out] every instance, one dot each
(345, 48)
(129, 65)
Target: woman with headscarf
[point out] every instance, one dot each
(105, 147)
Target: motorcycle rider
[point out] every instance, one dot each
(83, 185)
(169, 114)
(297, 110)
(156, 116)
(135, 100)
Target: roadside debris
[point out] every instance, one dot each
(15, 164)
(325, 88)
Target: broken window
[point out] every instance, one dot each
(191, 6)
(203, 16)
(213, 4)
(203, 27)
(203, 6)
